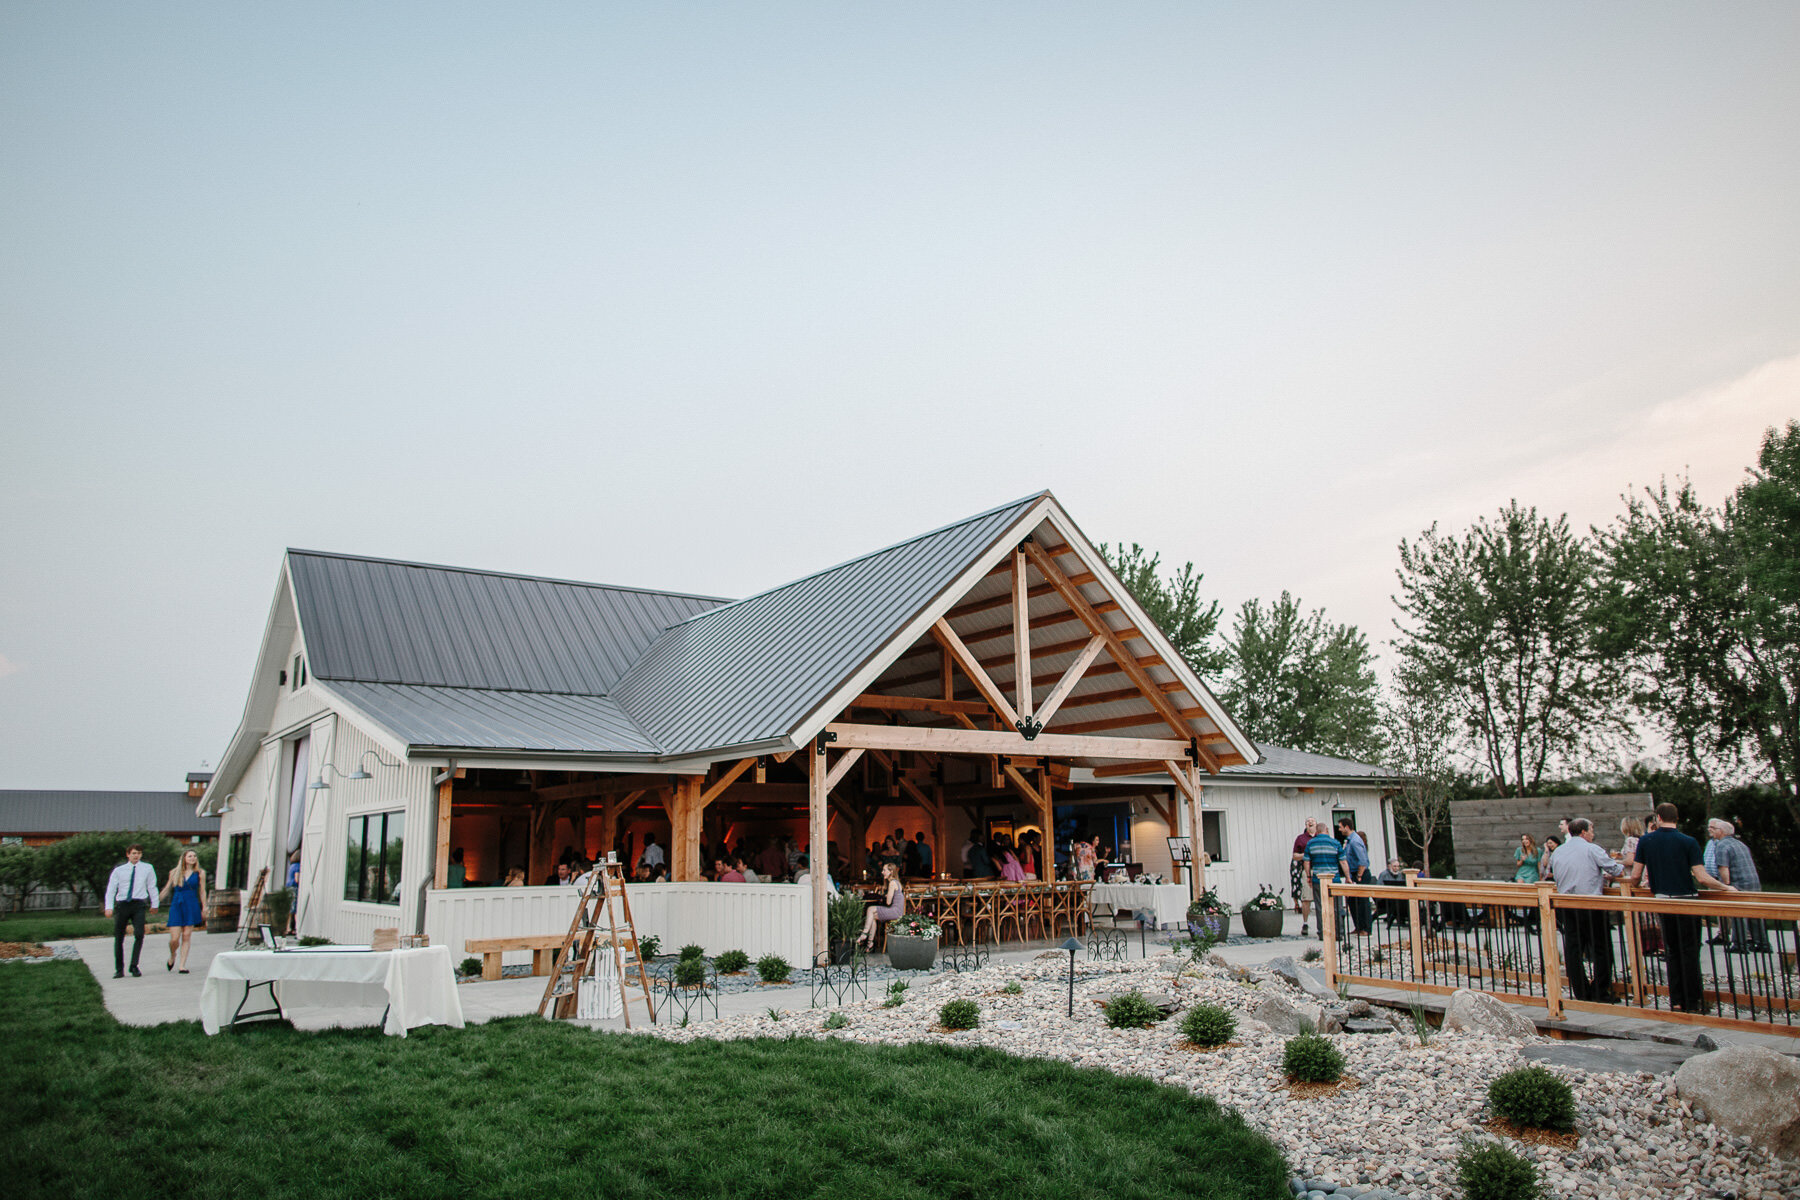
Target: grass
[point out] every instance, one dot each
(52, 927)
(527, 1107)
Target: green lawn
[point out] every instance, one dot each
(527, 1108)
(50, 927)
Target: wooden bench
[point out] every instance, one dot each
(543, 952)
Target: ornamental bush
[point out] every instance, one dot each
(470, 966)
(1492, 1172)
(1310, 1058)
(1129, 1010)
(649, 946)
(690, 972)
(960, 1014)
(772, 968)
(692, 951)
(1534, 1098)
(732, 961)
(1208, 1025)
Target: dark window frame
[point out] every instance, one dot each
(389, 828)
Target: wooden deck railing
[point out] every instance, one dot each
(1439, 935)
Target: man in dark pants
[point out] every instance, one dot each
(130, 893)
(1673, 866)
(1580, 869)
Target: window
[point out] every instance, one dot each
(297, 677)
(372, 858)
(237, 862)
(1212, 827)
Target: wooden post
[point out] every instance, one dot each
(684, 828)
(1195, 824)
(940, 826)
(816, 794)
(1328, 925)
(1417, 913)
(1021, 639)
(1634, 946)
(441, 876)
(538, 846)
(1552, 954)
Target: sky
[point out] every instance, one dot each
(707, 297)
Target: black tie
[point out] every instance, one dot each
(131, 881)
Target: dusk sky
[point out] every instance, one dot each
(706, 297)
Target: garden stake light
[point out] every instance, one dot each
(1071, 945)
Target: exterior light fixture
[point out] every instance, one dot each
(1071, 945)
(361, 771)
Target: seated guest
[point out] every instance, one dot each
(804, 878)
(892, 905)
(1010, 870)
(749, 875)
(731, 874)
(515, 877)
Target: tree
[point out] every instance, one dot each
(1501, 624)
(1296, 680)
(1703, 607)
(20, 872)
(1421, 733)
(87, 859)
(1173, 603)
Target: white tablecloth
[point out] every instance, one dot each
(1165, 902)
(417, 986)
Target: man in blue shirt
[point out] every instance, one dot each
(1324, 854)
(1356, 860)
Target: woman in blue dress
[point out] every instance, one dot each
(187, 906)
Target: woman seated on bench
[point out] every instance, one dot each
(890, 908)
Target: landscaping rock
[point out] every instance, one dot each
(1474, 1012)
(1367, 1025)
(1281, 1015)
(1302, 977)
(1749, 1091)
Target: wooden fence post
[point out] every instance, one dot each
(1328, 925)
(1634, 946)
(1416, 911)
(1552, 958)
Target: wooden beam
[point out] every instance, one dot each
(984, 741)
(817, 792)
(845, 761)
(1072, 595)
(1148, 718)
(947, 638)
(1069, 679)
(1001, 601)
(918, 704)
(600, 785)
(1049, 651)
(906, 785)
(684, 828)
(726, 780)
(1021, 638)
(441, 876)
(1111, 770)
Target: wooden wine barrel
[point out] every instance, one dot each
(222, 912)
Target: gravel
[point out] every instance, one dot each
(1395, 1135)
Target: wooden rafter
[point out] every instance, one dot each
(1070, 678)
(931, 807)
(918, 704)
(836, 774)
(1072, 595)
(1050, 651)
(1021, 638)
(726, 780)
(998, 741)
(947, 638)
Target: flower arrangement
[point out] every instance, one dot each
(913, 925)
(1208, 905)
(1266, 900)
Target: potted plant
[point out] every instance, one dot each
(1209, 916)
(1263, 913)
(844, 919)
(912, 942)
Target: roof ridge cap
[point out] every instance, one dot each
(583, 583)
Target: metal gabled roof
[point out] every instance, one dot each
(483, 718)
(1282, 762)
(751, 671)
(382, 621)
(27, 811)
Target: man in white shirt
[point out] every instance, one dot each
(130, 893)
(653, 853)
(1581, 869)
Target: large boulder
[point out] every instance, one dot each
(1287, 1017)
(1302, 977)
(1748, 1091)
(1477, 1012)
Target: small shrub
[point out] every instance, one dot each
(1310, 1058)
(692, 951)
(470, 966)
(732, 961)
(896, 994)
(1421, 1022)
(1488, 1171)
(648, 946)
(1013, 987)
(960, 1014)
(774, 1013)
(836, 1020)
(1129, 1010)
(772, 968)
(1208, 1025)
(690, 972)
(1312, 955)
(310, 940)
(1533, 1097)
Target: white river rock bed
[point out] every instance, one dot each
(1400, 1130)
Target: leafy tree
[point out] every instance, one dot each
(21, 872)
(1501, 622)
(1296, 680)
(1421, 733)
(87, 859)
(1173, 603)
(1704, 608)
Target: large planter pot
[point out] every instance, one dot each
(911, 953)
(1213, 925)
(841, 952)
(1262, 922)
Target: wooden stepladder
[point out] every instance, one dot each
(602, 924)
(247, 918)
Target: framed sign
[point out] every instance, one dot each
(1181, 850)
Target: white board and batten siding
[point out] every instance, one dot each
(757, 918)
(1260, 825)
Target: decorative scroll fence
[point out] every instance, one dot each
(1439, 935)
